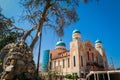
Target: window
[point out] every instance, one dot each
(63, 63)
(58, 62)
(54, 64)
(88, 55)
(51, 56)
(89, 49)
(81, 61)
(77, 38)
(50, 65)
(97, 59)
(74, 61)
(68, 62)
(92, 57)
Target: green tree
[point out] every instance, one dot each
(69, 76)
(6, 36)
(8, 31)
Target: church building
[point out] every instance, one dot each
(82, 57)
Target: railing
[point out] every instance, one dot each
(104, 75)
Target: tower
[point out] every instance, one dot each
(76, 35)
(74, 52)
(102, 54)
(45, 60)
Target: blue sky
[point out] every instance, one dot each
(97, 21)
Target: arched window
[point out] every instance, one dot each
(74, 61)
(88, 56)
(50, 65)
(54, 64)
(50, 55)
(58, 62)
(97, 59)
(81, 61)
(68, 62)
(92, 56)
(63, 63)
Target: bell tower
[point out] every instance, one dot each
(76, 35)
(102, 54)
(74, 52)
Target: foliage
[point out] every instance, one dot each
(54, 74)
(6, 39)
(8, 32)
(6, 36)
(69, 76)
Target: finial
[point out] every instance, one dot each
(60, 39)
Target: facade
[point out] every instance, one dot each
(82, 57)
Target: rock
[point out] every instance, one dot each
(18, 62)
(9, 68)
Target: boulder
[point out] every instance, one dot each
(18, 62)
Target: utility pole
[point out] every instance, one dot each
(38, 62)
(112, 63)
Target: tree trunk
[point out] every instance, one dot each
(39, 27)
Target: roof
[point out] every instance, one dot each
(56, 54)
(75, 31)
(60, 43)
(98, 41)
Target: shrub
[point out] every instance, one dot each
(69, 76)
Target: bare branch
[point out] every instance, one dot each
(28, 32)
(39, 27)
(16, 28)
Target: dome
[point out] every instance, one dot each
(75, 31)
(76, 35)
(98, 41)
(60, 43)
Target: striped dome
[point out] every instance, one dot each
(60, 43)
(75, 31)
(98, 41)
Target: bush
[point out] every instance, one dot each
(75, 76)
(69, 76)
